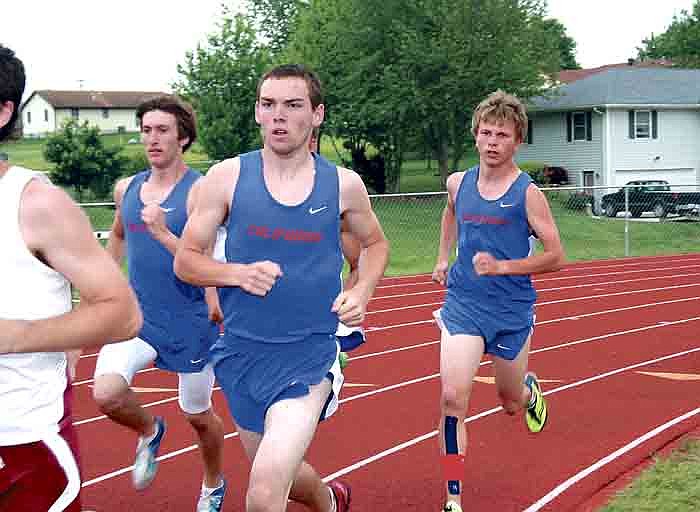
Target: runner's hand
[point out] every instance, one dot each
(258, 278)
(486, 265)
(440, 272)
(350, 306)
(153, 217)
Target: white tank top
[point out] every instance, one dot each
(32, 385)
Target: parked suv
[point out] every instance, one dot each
(650, 196)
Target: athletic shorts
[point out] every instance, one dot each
(505, 343)
(42, 476)
(349, 338)
(255, 375)
(128, 357)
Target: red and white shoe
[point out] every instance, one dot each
(341, 491)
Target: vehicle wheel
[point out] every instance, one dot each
(660, 210)
(610, 210)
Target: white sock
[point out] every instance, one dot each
(209, 490)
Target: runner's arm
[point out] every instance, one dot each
(57, 231)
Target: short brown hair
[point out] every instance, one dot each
(499, 106)
(313, 84)
(12, 82)
(183, 112)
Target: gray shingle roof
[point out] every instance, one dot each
(620, 86)
(96, 99)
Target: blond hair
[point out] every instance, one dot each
(499, 107)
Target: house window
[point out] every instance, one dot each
(579, 126)
(579, 120)
(643, 124)
(46, 115)
(75, 113)
(29, 118)
(105, 113)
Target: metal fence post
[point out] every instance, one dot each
(627, 221)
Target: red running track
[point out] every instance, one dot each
(616, 342)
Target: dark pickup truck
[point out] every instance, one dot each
(651, 196)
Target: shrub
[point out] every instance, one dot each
(536, 171)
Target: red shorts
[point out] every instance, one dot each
(42, 476)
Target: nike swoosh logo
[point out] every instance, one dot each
(504, 205)
(168, 210)
(313, 211)
(503, 347)
(196, 361)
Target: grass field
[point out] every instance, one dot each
(671, 485)
(30, 152)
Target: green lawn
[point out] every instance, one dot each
(29, 152)
(671, 485)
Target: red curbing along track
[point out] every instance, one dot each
(618, 339)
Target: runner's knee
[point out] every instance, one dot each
(454, 401)
(109, 391)
(261, 497)
(204, 421)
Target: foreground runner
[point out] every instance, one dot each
(280, 288)
(47, 246)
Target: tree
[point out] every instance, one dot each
(395, 68)
(82, 161)
(680, 43)
(220, 81)
(275, 19)
(565, 44)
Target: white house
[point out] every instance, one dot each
(618, 125)
(111, 111)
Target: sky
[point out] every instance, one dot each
(136, 45)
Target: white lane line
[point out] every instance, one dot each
(539, 291)
(570, 287)
(553, 320)
(429, 435)
(558, 278)
(559, 489)
(433, 433)
(544, 349)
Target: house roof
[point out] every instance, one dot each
(624, 86)
(94, 99)
(571, 75)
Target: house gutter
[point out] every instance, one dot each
(629, 106)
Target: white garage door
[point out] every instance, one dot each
(673, 176)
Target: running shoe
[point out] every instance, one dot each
(341, 491)
(536, 413)
(211, 500)
(452, 506)
(145, 463)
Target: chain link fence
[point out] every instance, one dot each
(594, 222)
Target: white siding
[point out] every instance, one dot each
(39, 109)
(125, 117)
(673, 156)
(551, 147)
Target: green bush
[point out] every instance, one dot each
(136, 163)
(536, 171)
